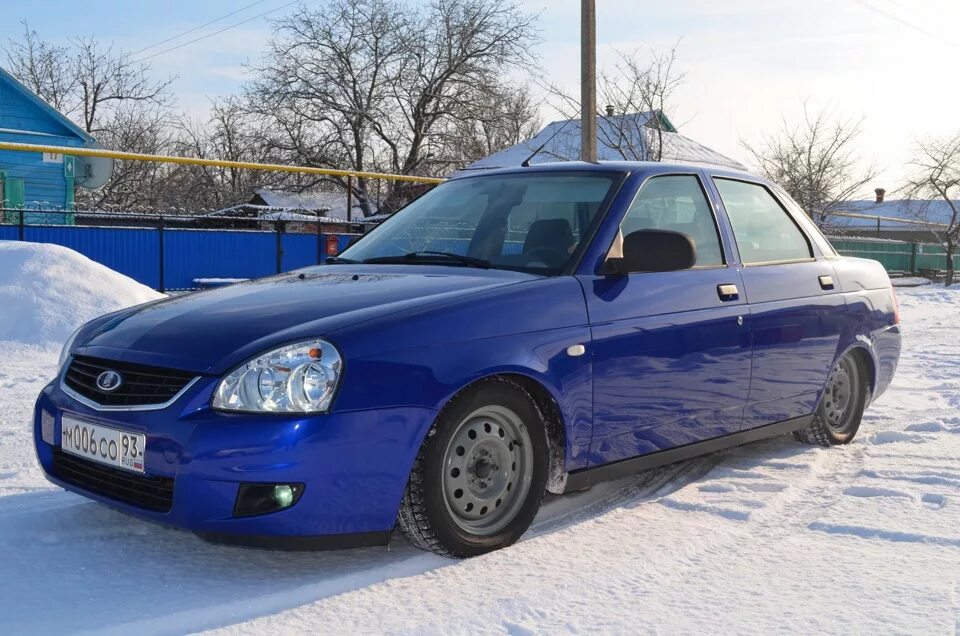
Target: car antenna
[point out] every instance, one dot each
(526, 162)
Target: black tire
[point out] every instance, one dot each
(426, 516)
(837, 418)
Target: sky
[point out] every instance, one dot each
(749, 64)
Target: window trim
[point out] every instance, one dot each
(786, 212)
(706, 198)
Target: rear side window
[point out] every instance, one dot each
(812, 230)
(677, 203)
(764, 230)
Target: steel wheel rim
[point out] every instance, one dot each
(487, 470)
(840, 395)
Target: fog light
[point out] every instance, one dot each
(283, 495)
(259, 499)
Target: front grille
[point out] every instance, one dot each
(150, 493)
(141, 385)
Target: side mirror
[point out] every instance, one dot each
(653, 251)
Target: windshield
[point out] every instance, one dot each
(530, 222)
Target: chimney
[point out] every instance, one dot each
(609, 110)
(880, 192)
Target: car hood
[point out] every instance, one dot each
(213, 330)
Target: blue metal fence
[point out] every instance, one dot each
(174, 258)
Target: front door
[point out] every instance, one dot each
(671, 350)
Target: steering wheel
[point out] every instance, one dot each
(548, 256)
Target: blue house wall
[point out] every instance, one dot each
(45, 182)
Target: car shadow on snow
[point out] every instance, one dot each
(75, 565)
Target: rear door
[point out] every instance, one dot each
(796, 307)
(671, 350)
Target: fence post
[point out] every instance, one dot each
(20, 224)
(349, 198)
(160, 235)
(279, 232)
(878, 227)
(913, 257)
(319, 244)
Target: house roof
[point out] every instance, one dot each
(330, 204)
(45, 108)
(936, 211)
(561, 141)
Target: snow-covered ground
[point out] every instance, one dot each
(773, 537)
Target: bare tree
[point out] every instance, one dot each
(87, 80)
(936, 180)
(378, 85)
(44, 68)
(504, 117)
(230, 132)
(325, 81)
(456, 63)
(114, 98)
(640, 86)
(108, 81)
(815, 162)
(136, 184)
(637, 93)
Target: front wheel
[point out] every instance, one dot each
(838, 415)
(481, 473)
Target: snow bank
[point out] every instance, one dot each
(910, 281)
(47, 291)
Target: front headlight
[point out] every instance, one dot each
(67, 348)
(297, 378)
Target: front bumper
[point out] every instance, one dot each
(354, 466)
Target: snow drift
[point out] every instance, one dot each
(47, 291)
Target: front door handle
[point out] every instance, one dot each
(826, 282)
(728, 292)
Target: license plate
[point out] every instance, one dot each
(103, 444)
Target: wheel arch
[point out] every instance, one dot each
(549, 407)
(862, 349)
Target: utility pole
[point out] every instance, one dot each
(588, 80)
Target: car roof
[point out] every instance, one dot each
(648, 167)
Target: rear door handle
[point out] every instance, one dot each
(826, 282)
(728, 292)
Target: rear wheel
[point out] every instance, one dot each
(838, 416)
(481, 473)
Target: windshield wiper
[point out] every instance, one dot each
(431, 255)
(340, 259)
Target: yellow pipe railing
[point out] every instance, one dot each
(218, 163)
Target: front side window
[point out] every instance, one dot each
(677, 203)
(530, 222)
(764, 231)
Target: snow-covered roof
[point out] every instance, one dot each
(330, 204)
(292, 215)
(908, 209)
(562, 139)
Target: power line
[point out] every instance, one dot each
(907, 24)
(197, 28)
(210, 35)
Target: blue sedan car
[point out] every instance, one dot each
(507, 334)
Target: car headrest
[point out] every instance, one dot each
(552, 233)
